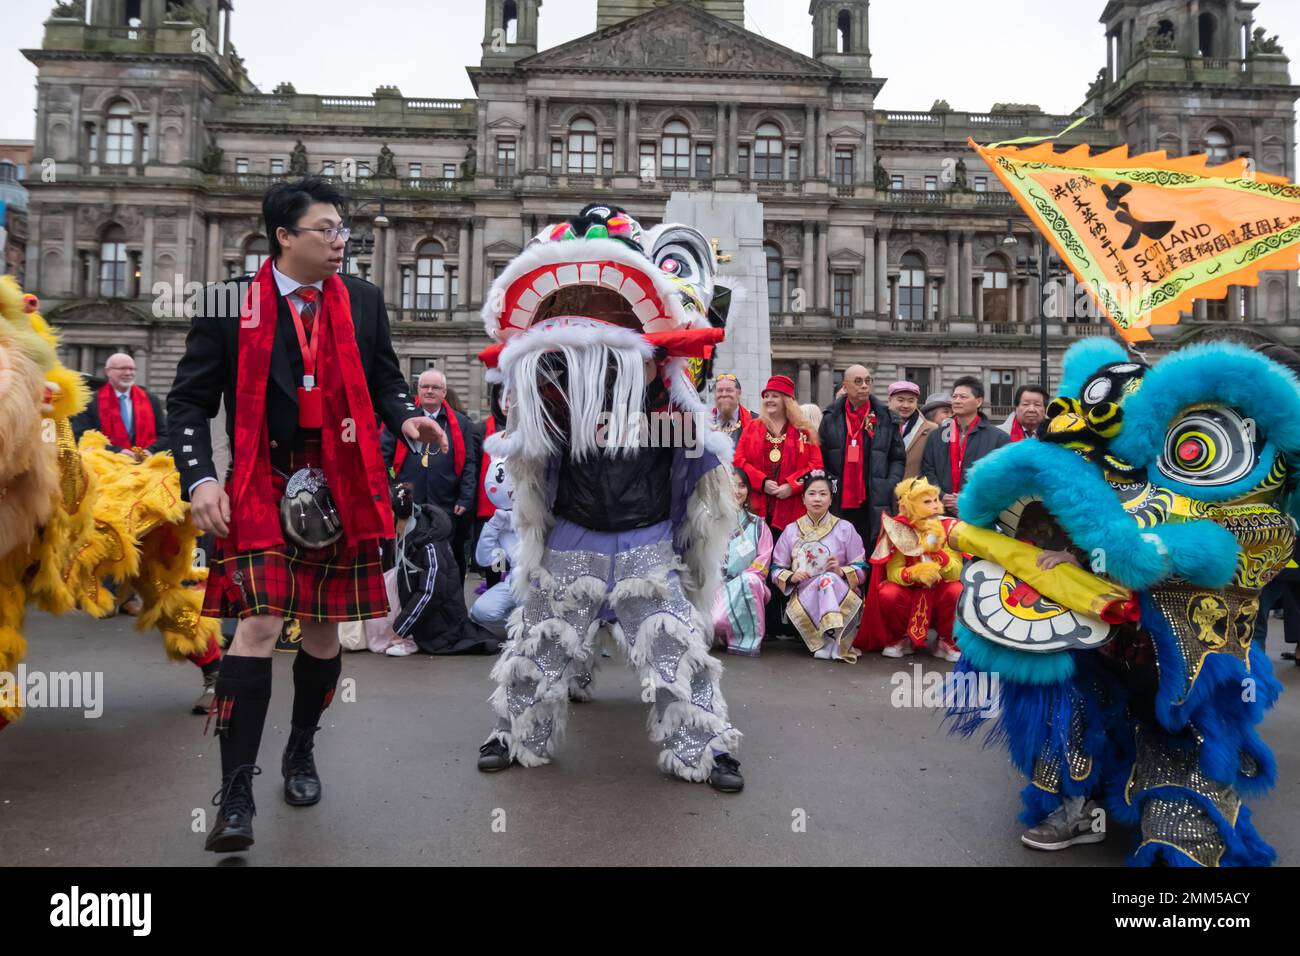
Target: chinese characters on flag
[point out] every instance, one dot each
(1148, 235)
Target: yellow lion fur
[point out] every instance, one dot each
(72, 517)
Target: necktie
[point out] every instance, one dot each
(124, 401)
(310, 296)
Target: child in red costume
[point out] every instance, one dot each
(917, 577)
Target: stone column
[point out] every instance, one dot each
(823, 165)
(379, 264)
(392, 276)
(214, 250)
(543, 132)
(146, 258)
(733, 144)
(1234, 303)
(463, 264)
(824, 392)
(868, 271)
(95, 289)
(809, 142)
(882, 269)
(1200, 309)
(966, 306)
(893, 298)
(803, 391)
(620, 137)
(807, 273)
(952, 278)
(32, 268)
(528, 138)
(721, 167)
(478, 266)
(823, 270)
(785, 291)
(1013, 293)
(482, 164)
(633, 139)
(978, 290)
(1252, 303)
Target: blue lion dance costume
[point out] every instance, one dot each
(1129, 676)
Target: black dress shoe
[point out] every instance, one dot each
(233, 831)
(301, 782)
(494, 756)
(725, 775)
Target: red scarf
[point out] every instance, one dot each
(486, 509)
(453, 434)
(110, 418)
(853, 483)
(957, 451)
(354, 469)
(1017, 432)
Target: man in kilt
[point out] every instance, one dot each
(304, 360)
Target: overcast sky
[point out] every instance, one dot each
(973, 55)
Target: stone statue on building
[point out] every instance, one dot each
(212, 159)
(1097, 86)
(385, 164)
(1158, 40)
(1259, 43)
(941, 106)
(285, 89)
(298, 160)
(470, 166)
(879, 176)
(72, 10)
(960, 181)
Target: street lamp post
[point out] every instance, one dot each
(379, 222)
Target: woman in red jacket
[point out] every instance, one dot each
(774, 450)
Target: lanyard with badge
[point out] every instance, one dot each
(310, 414)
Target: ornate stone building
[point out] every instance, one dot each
(885, 235)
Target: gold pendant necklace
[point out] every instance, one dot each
(775, 454)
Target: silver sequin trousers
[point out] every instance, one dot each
(553, 641)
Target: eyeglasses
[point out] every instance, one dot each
(120, 368)
(434, 388)
(330, 233)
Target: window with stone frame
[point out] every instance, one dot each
(113, 263)
(793, 154)
(842, 289)
(582, 147)
(277, 167)
(675, 151)
(896, 182)
(1002, 387)
(920, 377)
(704, 161)
(844, 165)
(414, 171)
(256, 251)
(607, 157)
(742, 161)
(450, 171)
(981, 184)
(557, 156)
(505, 157)
(119, 141)
(430, 277)
(911, 288)
(773, 256)
(931, 184)
(769, 152)
(647, 160)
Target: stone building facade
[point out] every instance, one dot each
(885, 236)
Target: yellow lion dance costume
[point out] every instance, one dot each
(71, 518)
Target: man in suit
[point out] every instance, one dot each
(861, 445)
(303, 360)
(128, 416)
(449, 482)
(959, 442)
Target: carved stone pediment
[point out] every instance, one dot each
(673, 39)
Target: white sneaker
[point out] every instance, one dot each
(901, 649)
(402, 648)
(947, 652)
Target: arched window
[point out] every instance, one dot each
(112, 263)
(997, 307)
(773, 255)
(1206, 25)
(845, 27)
(256, 251)
(675, 151)
(1218, 146)
(430, 276)
(911, 288)
(582, 147)
(119, 143)
(768, 151)
(510, 21)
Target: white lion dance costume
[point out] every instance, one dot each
(72, 518)
(622, 502)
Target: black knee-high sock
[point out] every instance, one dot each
(314, 681)
(243, 693)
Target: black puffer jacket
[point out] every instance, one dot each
(433, 610)
(883, 465)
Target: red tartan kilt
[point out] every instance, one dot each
(339, 583)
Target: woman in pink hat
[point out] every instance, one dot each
(774, 451)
